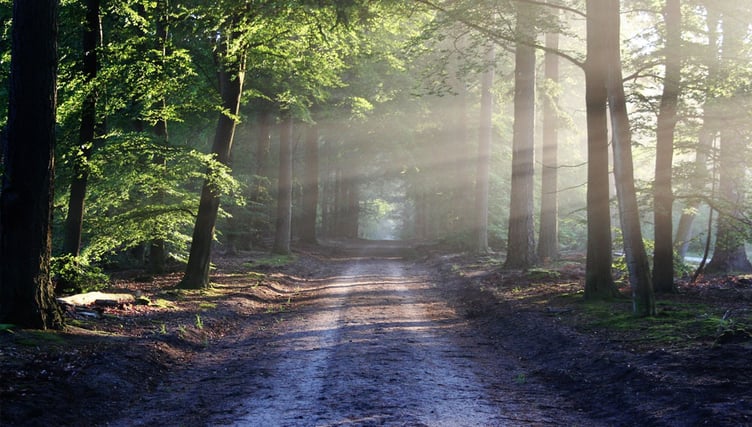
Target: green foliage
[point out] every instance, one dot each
(132, 199)
(75, 274)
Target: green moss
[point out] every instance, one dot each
(675, 323)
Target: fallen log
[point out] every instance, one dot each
(98, 298)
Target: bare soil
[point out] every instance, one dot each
(384, 334)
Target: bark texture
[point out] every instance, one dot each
(548, 240)
(197, 271)
(521, 235)
(310, 186)
(26, 293)
(638, 265)
(485, 137)
(283, 229)
(599, 282)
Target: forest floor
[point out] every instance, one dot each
(385, 334)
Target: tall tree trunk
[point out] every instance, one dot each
(157, 249)
(708, 133)
(92, 37)
(231, 76)
(26, 293)
(310, 186)
(352, 207)
(729, 254)
(638, 264)
(521, 236)
(548, 241)
(283, 229)
(663, 255)
(485, 138)
(466, 169)
(263, 143)
(599, 282)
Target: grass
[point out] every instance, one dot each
(675, 324)
(270, 261)
(39, 338)
(199, 322)
(207, 305)
(162, 303)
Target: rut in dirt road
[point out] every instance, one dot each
(373, 343)
(376, 347)
(371, 353)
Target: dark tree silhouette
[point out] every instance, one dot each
(26, 292)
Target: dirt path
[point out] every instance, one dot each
(374, 344)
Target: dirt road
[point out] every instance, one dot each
(375, 344)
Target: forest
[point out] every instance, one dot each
(601, 145)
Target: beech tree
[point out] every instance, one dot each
(548, 240)
(521, 236)
(283, 229)
(638, 265)
(729, 253)
(26, 292)
(485, 138)
(310, 186)
(599, 281)
(92, 39)
(663, 256)
(231, 65)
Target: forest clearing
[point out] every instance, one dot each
(376, 337)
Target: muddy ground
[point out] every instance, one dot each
(380, 334)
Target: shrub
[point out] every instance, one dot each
(74, 274)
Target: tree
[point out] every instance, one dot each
(92, 39)
(599, 282)
(521, 235)
(638, 265)
(699, 176)
(283, 228)
(26, 292)
(729, 254)
(231, 74)
(663, 255)
(157, 246)
(548, 240)
(310, 186)
(485, 138)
